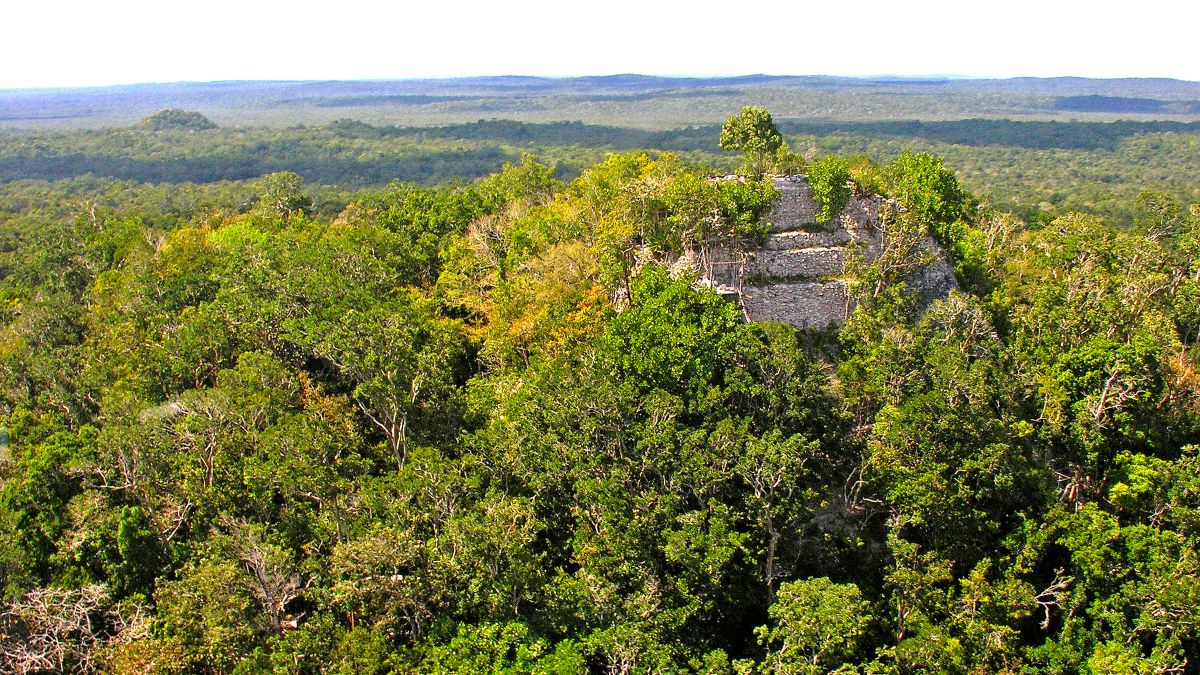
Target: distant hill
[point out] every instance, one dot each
(176, 119)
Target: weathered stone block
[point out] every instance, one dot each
(810, 263)
(795, 208)
(809, 305)
(783, 241)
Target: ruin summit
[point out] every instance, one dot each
(798, 275)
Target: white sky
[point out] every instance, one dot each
(93, 42)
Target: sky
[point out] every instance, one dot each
(60, 43)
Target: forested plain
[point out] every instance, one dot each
(1037, 169)
(353, 398)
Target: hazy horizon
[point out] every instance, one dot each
(71, 44)
(914, 77)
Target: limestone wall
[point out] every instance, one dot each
(795, 208)
(806, 305)
(809, 264)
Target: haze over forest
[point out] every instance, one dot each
(638, 101)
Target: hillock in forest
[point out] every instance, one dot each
(490, 426)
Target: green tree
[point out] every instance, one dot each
(506, 648)
(931, 192)
(210, 615)
(829, 179)
(753, 133)
(282, 194)
(403, 362)
(816, 626)
(177, 119)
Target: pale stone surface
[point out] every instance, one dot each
(800, 239)
(809, 305)
(934, 282)
(795, 208)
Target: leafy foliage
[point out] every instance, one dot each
(269, 427)
(931, 192)
(829, 179)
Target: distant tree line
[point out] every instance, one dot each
(1040, 169)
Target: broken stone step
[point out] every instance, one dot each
(815, 262)
(784, 241)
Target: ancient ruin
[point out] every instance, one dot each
(798, 276)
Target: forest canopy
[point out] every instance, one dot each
(266, 426)
(1037, 169)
